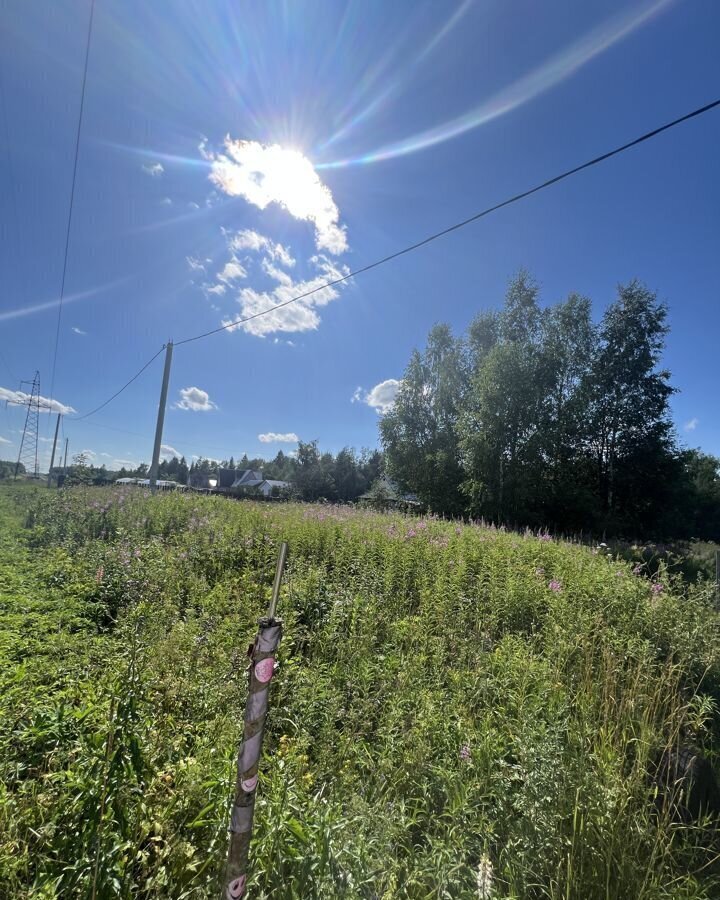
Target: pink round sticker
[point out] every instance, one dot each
(264, 669)
(236, 888)
(249, 784)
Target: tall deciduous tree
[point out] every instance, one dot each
(419, 433)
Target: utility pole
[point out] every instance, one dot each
(67, 441)
(52, 456)
(161, 416)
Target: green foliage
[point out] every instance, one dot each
(447, 696)
(538, 417)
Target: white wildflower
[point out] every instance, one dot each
(485, 878)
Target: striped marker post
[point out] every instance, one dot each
(262, 667)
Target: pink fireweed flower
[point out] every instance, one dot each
(555, 586)
(657, 588)
(545, 536)
(465, 753)
(99, 575)
(637, 569)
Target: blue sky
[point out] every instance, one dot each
(372, 124)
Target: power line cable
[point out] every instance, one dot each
(438, 234)
(72, 198)
(117, 393)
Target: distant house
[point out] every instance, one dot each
(247, 478)
(271, 487)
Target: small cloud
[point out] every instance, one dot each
(273, 437)
(124, 463)
(231, 271)
(154, 170)
(5, 441)
(195, 264)
(193, 205)
(20, 398)
(195, 399)
(166, 201)
(247, 239)
(107, 455)
(78, 330)
(692, 424)
(381, 398)
(167, 451)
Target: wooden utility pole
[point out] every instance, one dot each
(52, 456)
(161, 416)
(262, 666)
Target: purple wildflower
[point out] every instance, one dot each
(555, 585)
(637, 569)
(657, 588)
(465, 753)
(545, 536)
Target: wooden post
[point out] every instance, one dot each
(262, 666)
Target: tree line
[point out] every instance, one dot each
(538, 416)
(312, 474)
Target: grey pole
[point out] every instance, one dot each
(161, 416)
(52, 456)
(67, 441)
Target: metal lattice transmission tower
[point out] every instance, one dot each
(28, 454)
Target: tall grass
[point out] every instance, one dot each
(449, 698)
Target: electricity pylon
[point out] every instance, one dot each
(28, 453)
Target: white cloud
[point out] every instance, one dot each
(692, 424)
(273, 437)
(168, 452)
(107, 455)
(5, 441)
(193, 205)
(20, 398)
(127, 463)
(155, 170)
(89, 453)
(268, 173)
(251, 240)
(166, 201)
(231, 271)
(301, 315)
(275, 273)
(195, 264)
(196, 399)
(78, 330)
(214, 288)
(381, 398)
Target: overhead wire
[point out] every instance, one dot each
(72, 199)
(445, 231)
(118, 392)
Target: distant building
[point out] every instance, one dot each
(247, 478)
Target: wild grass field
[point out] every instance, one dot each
(459, 711)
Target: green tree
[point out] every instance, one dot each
(419, 432)
(629, 426)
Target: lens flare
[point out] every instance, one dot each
(540, 80)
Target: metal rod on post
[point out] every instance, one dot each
(161, 416)
(67, 441)
(52, 455)
(262, 667)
